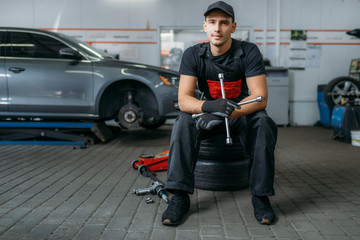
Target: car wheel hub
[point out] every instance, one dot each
(129, 116)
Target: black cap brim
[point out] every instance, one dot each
(222, 6)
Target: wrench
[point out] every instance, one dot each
(228, 138)
(258, 99)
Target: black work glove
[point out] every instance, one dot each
(219, 107)
(207, 121)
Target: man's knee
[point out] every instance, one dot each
(261, 126)
(261, 119)
(184, 119)
(184, 127)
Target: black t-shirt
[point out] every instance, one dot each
(241, 61)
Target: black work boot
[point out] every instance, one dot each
(179, 205)
(264, 214)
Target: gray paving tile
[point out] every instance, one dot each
(284, 232)
(311, 236)
(113, 234)
(56, 192)
(233, 230)
(261, 232)
(187, 235)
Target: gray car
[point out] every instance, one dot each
(50, 75)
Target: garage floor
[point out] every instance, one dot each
(57, 192)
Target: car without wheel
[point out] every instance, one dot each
(52, 76)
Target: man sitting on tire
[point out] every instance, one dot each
(244, 71)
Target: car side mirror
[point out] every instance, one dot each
(69, 53)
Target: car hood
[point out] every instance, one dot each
(141, 66)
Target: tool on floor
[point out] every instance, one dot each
(157, 162)
(149, 200)
(156, 187)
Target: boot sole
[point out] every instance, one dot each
(265, 222)
(169, 223)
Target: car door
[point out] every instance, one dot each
(3, 85)
(41, 80)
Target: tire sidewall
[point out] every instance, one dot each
(330, 87)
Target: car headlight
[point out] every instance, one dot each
(169, 80)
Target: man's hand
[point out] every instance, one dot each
(207, 121)
(219, 107)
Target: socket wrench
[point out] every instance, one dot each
(258, 99)
(228, 138)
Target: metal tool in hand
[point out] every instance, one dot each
(228, 138)
(258, 99)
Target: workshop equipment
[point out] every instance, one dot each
(222, 167)
(324, 109)
(344, 120)
(151, 162)
(277, 105)
(157, 186)
(52, 133)
(258, 99)
(228, 138)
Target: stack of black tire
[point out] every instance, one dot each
(222, 167)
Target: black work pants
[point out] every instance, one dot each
(257, 130)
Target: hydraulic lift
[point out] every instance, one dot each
(52, 133)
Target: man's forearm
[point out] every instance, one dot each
(190, 104)
(249, 108)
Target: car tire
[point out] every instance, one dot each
(152, 122)
(221, 167)
(337, 88)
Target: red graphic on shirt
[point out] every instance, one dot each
(232, 89)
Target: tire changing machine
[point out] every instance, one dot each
(345, 117)
(52, 133)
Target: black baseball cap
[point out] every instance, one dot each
(221, 6)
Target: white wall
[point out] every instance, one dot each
(134, 14)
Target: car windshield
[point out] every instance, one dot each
(90, 50)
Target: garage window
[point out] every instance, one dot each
(30, 45)
(2, 45)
